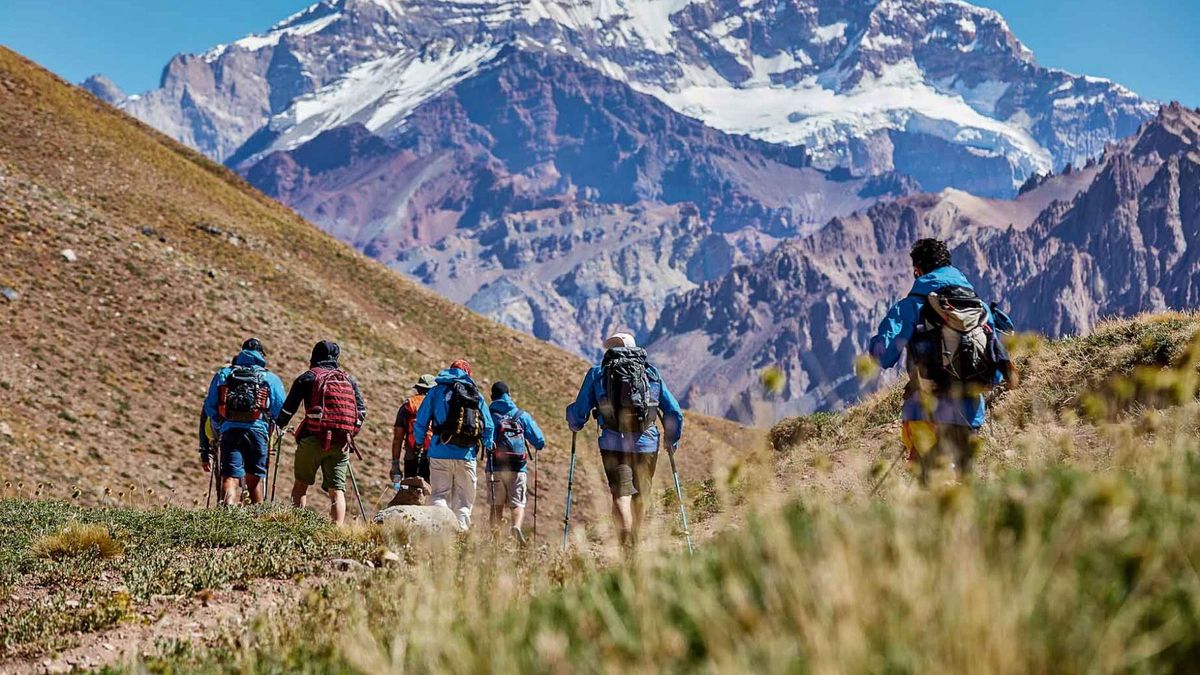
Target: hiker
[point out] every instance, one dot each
(242, 399)
(627, 396)
(515, 431)
(455, 412)
(415, 454)
(334, 412)
(953, 357)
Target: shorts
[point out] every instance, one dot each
(507, 488)
(629, 474)
(334, 464)
(244, 450)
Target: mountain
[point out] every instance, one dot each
(1117, 237)
(134, 267)
(942, 91)
(104, 89)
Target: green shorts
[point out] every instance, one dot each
(334, 464)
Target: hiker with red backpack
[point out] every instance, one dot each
(515, 432)
(242, 399)
(455, 412)
(953, 356)
(628, 397)
(334, 412)
(415, 452)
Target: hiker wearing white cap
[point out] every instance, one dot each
(627, 396)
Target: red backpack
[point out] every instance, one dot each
(331, 412)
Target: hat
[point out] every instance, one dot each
(618, 340)
(425, 383)
(254, 345)
(499, 390)
(463, 365)
(323, 352)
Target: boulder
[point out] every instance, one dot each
(432, 519)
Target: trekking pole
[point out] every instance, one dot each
(354, 482)
(278, 454)
(535, 492)
(687, 534)
(903, 453)
(212, 478)
(570, 484)
(492, 519)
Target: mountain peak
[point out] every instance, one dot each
(103, 88)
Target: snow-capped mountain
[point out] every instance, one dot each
(937, 89)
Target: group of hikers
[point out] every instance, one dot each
(440, 433)
(949, 337)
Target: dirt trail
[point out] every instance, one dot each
(163, 620)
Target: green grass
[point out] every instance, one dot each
(67, 569)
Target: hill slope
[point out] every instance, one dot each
(138, 267)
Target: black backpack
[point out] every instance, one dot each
(953, 348)
(464, 421)
(244, 396)
(631, 391)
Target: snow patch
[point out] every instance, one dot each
(825, 34)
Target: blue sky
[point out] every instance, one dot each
(1148, 45)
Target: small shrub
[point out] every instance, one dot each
(75, 540)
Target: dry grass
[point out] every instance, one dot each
(78, 539)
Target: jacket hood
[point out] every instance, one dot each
(452, 375)
(503, 406)
(249, 358)
(939, 278)
(325, 353)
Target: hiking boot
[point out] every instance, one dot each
(519, 535)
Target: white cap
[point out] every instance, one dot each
(617, 340)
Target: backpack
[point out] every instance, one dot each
(331, 412)
(244, 395)
(464, 423)
(511, 448)
(412, 405)
(631, 391)
(953, 347)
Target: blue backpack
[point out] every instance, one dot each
(511, 448)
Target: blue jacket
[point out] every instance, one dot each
(590, 393)
(433, 411)
(505, 406)
(245, 358)
(894, 334)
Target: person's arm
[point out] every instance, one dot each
(296, 395)
(894, 332)
(358, 401)
(425, 412)
(533, 432)
(579, 412)
(210, 398)
(489, 427)
(672, 415)
(205, 447)
(275, 385)
(399, 431)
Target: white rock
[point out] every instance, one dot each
(69, 255)
(432, 519)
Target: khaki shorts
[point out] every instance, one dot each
(508, 489)
(334, 464)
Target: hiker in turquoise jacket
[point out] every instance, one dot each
(244, 446)
(944, 422)
(508, 476)
(452, 475)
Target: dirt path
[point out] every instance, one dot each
(163, 619)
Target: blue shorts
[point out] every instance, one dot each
(242, 451)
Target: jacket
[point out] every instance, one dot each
(893, 336)
(274, 384)
(433, 412)
(505, 406)
(590, 393)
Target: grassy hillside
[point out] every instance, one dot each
(106, 357)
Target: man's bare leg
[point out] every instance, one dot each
(497, 517)
(231, 491)
(518, 518)
(300, 494)
(255, 488)
(623, 517)
(337, 506)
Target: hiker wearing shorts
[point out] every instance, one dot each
(242, 399)
(934, 326)
(334, 412)
(515, 432)
(627, 396)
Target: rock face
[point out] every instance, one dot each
(1117, 237)
(104, 89)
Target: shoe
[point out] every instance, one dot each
(519, 535)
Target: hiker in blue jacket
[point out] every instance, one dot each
(515, 432)
(941, 414)
(457, 413)
(242, 399)
(629, 456)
